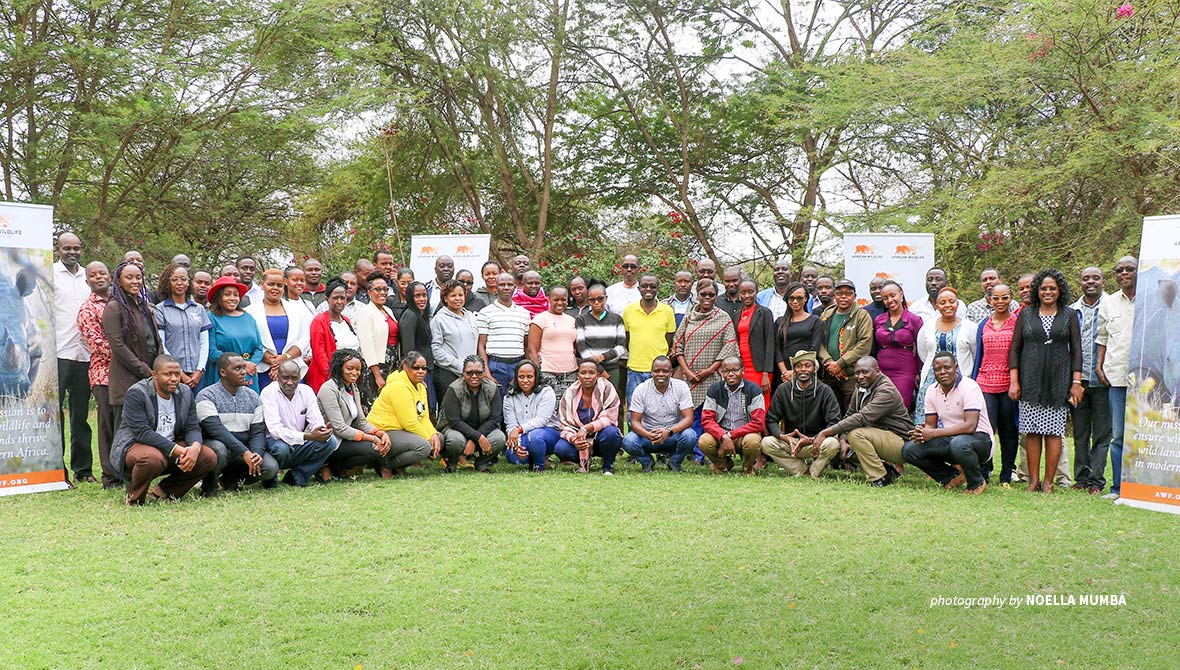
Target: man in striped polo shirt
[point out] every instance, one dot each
(503, 329)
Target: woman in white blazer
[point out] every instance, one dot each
(286, 333)
(377, 329)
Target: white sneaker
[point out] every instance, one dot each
(1111, 496)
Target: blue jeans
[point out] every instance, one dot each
(303, 460)
(502, 373)
(938, 457)
(1118, 417)
(606, 444)
(539, 442)
(634, 379)
(679, 445)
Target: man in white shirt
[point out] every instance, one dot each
(1116, 315)
(661, 418)
(773, 297)
(73, 360)
(623, 293)
(925, 307)
(297, 435)
(247, 268)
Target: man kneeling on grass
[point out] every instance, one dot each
(799, 408)
(661, 418)
(875, 426)
(159, 434)
(957, 435)
(733, 417)
(297, 435)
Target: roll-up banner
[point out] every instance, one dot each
(902, 257)
(468, 251)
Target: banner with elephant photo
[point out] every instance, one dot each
(1151, 450)
(30, 437)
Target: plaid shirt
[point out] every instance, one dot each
(90, 326)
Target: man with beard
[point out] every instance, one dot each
(926, 307)
(825, 288)
(1091, 416)
(201, 282)
(682, 299)
(247, 268)
(313, 286)
(846, 334)
(729, 302)
(733, 417)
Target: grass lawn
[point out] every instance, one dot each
(559, 570)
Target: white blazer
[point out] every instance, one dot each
(964, 346)
(298, 333)
(373, 332)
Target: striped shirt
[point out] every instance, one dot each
(505, 328)
(1088, 320)
(236, 411)
(605, 336)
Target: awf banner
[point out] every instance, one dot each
(468, 251)
(30, 441)
(902, 257)
(1151, 445)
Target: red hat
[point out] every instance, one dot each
(225, 282)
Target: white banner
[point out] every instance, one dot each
(30, 438)
(469, 252)
(902, 257)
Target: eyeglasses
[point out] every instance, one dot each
(796, 298)
(600, 298)
(1124, 270)
(630, 266)
(419, 367)
(472, 373)
(706, 294)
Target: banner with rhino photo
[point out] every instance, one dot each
(1151, 446)
(902, 257)
(30, 441)
(468, 251)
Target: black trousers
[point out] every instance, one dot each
(106, 435)
(1091, 436)
(73, 380)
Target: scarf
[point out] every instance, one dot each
(533, 305)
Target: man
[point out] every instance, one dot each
(981, 309)
(1024, 288)
(875, 427)
(706, 269)
(661, 418)
(799, 408)
(247, 269)
(520, 265)
(825, 289)
(182, 260)
(650, 325)
(297, 435)
(809, 276)
(876, 306)
(577, 304)
(681, 301)
(231, 418)
(529, 294)
(89, 319)
(729, 302)
(490, 291)
(846, 334)
(733, 417)
(444, 271)
(383, 261)
(623, 293)
(774, 298)
(73, 360)
(362, 269)
(159, 434)
(313, 286)
(602, 337)
(503, 334)
(925, 307)
(133, 256)
(1115, 317)
(201, 282)
(957, 431)
(1091, 417)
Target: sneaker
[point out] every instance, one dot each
(608, 471)
(1111, 496)
(647, 467)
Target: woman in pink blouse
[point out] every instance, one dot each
(551, 342)
(992, 341)
(896, 333)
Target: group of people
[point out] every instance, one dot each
(234, 379)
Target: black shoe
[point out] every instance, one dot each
(647, 467)
(882, 482)
(450, 468)
(209, 493)
(88, 479)
(289, 479)
(270, 483)
(674, 468)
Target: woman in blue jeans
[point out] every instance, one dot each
(531, 418)
(587, 416)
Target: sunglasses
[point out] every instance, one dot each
(707, 294)
(796, 298)
(472, 373)
(419, 367)
(630, 266)
(598, 299)
(1124, 270)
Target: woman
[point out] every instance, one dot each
(755, 338)
(330, 331)
(361, 443)
(1045, 363)
(377, 330)
(469, 418)
(993, 342)
(129, 324)
(530, 415)
(454, 335)
(233, 331)
(284, 327)
(184, 325)
(895, 332)
(414, 333)
(296, 281)
(577, 303)
(398, 296)
(704, 338)
(946, 333)
(401, 411)
(587, 416)
(551, 342)
(796, 330)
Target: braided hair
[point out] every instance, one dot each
(131, 305)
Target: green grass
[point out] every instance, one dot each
(560, 570)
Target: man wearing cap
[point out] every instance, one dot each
(846, 334)
(799, 408)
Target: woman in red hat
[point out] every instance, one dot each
(233, 331)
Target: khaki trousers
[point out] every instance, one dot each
(748, 445)
(780, 452)
(872, 446)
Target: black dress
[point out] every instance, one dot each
(792, 337)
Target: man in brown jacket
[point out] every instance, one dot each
(846, 335)
(875, 426)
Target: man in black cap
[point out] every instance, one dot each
(846, 334)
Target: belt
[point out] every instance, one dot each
(502, 359)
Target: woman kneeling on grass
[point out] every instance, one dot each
(401, 411)
(361, 443)
(469, 418)
(588, 413)
(530, 418)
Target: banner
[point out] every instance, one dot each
(30, 441)
(1151, 445)
(902, 257)
(469, 252)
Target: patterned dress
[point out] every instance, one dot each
(1038, 419)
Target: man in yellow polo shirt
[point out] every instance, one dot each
(650, 325)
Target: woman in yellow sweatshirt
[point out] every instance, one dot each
(401, 410)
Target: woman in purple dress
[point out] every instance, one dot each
(896, 335)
